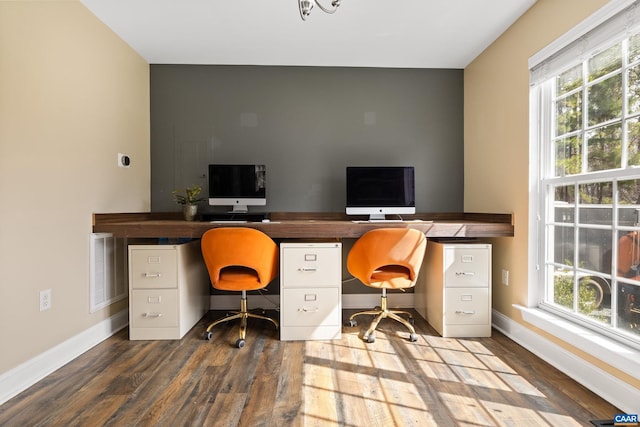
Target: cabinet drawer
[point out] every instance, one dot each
(466, 306)
(466, 267)
(311, 307)
(310, 266)
(154, 308)
(153, 268)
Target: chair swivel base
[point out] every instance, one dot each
(382, 313)
(243, 315)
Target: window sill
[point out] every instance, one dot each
(619, 356)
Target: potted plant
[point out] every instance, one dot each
(189, 201)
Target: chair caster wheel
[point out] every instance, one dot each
(240, 343)
(208, 335)
(370, 339)
(352, 323)
(413, 337)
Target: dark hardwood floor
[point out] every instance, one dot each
(393, 382)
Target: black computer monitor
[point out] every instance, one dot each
(378, 191)
(238, 186)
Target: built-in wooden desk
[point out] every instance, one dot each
(304, 225)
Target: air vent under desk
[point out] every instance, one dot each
(454, 289)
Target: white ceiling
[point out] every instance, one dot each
(362, 33)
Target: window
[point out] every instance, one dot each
(587, 111)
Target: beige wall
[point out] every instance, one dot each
(497, 141)
(72, 95)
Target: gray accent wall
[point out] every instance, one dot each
(306, 124)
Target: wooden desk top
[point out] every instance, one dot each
(305, 225)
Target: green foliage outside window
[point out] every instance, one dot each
(563, 294)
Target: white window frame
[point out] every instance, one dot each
(613, 352)
(547, 62)
(542, 76)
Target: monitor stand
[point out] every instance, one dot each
(239, 209)
(381, 218)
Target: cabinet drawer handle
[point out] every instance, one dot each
(307, 269)
(309, 310)
(465, 273)
(465, 312)
(152, 275)
(151, 314)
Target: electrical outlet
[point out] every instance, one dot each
(45, 299)
(505, 277)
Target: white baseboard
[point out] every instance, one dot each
(364, 301)
(30, 372)
(349, 301)
(610, 388)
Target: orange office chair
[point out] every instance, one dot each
(387, 258)
(239, 259)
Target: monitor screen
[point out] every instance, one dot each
(238, 186)
(380, 190)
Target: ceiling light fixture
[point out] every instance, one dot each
(305, 7)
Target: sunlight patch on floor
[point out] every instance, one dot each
(348, 381)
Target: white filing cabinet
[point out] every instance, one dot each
(310, 290)
(454, 290)
(168, 290)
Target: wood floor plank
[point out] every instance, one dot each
(349, 381)
(320, 406)
(258, 408)
(97, 414)
(226, 410)
(196, 410)
(178, 389)
(432, 382)
(288, 400)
